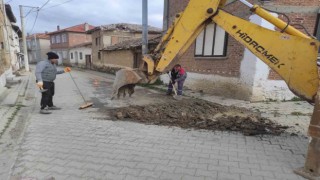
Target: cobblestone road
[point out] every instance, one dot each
(74, 144)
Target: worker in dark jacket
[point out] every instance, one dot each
(46, 72)
(179, 75)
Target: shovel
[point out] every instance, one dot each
(175, 96)
(42, 90)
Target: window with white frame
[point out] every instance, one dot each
(64, 38)
(211, 42)
(58, 38)
(71, 55)
(53, 39)
(80, 55)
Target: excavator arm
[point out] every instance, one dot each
(291, 54)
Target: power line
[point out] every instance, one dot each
(58, 4)
(43, 5)
(34, 23)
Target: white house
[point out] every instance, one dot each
(80, 55)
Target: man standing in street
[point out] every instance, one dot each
(179, 75)
(46, 72)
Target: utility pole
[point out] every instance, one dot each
(165, 15)
(144, 27)
(25, 53)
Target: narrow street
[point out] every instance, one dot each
(88, 144)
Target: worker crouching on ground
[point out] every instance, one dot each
(46, 72)
(179, 75)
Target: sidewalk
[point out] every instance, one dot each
(86, 144)
(13, 115)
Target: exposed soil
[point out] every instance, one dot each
(200, 114)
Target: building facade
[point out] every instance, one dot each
(109, 35)
(80, 55)
(10, 56)
(129, 52)
(62, 40)
(38, 45)
(219, 65)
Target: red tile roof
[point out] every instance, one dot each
(77, 28)
(39, 36)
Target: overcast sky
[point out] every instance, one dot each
(68, 13)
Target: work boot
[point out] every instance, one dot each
(45, 111)
(54, 108)
(169, 93)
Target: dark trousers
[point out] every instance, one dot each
(180, 87)
(46, 99)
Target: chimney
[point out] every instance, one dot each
(28, 34)
(46, 32)
(58, 28)
(86, 26)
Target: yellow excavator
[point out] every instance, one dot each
(289, 52)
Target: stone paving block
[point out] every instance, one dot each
(147, 166)
(246, 177)
(228, 163)
(197, 166)
(111, 168)
(188, 177)
(182, 164)
(235, 170)
(152, 174)
(170, 176)
(228, 176)
(164, 168)
(113, 176)
(219, 157)
(131, 171)
(57, 169)
(127, 164)
(218, 168)
(207, 173)
(262, 173)
(159, 161)
(93, 174)
(188, 171)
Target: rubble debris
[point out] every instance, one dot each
(200, 114)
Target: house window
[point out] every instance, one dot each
(211, 42)
(64, 38)
(53, 39)
(80, 55)
(99, 55)
(97, 41)
(28, 44)
(64, 54)
(71, 55)
(58, 39)
(317, 30)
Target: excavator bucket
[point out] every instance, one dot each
(125, 77)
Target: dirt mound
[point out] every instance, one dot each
(200, 114)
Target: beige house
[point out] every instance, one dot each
(108, 35)
(128, 53)
(38, 45)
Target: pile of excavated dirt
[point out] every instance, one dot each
(200, 114)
